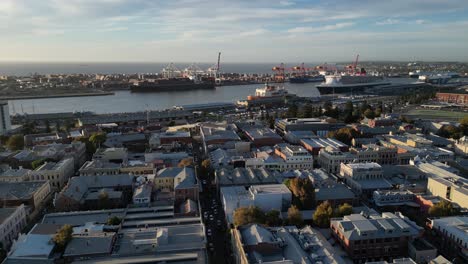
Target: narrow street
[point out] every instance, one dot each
(218, 241)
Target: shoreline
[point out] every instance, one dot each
(21, 97)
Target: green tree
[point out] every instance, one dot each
(344, 209)
(37, 163)
(443, 208)
(306, 111)
(272, 218)
(15, 142)
(47, 126)
(248, 215)
(450, 131)
(103, 199)
(303, 191)
(464, 125)
(292, 111)
(323, 214)
(90, 148)
(369, 114)
(58, 126)
(114, 220)
(63, 236)
(294, 216)
(345, 134)
(97, 139)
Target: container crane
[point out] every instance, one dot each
(279, 73)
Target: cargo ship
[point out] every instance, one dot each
(306, 79)
(337, 83)
(267, 95)
(172, 84)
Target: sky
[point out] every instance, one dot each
(254, 31)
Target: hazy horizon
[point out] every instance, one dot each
(144, 31)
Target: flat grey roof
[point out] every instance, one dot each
(89, 245)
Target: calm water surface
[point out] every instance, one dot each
(125, 101)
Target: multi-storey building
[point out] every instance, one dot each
(181, 181)
(374, 237)
(15, 175)
(116, 155)
(445, 184)
(456, 98)
(295, 157)
(318, 126)
(57, 174)
(262, 136)
(266, 197)
(12, 221)
(32, 194)
(461, 146)
(374, 153)
(5, 123)
(364, 178)
(449, 236)
(330, 159)
(314, 145)
(254, 244)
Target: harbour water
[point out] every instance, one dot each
(125, 101)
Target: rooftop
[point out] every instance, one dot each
(5, 213)
(245, 176)
(19, 190)
(300, 245)
(100, 243)
(355, 226)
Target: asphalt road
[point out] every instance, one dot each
(218, 242)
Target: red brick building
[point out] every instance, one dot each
(455, 98)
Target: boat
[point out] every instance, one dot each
(306, 79)
(435, 78)
(172, 84)
(346, 83)
(268, 94)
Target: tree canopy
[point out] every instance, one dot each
(443, 208)
(97, 139)
(294, 216)
(450, 131)
(344, 209)
(63, 236)
(303, 191)
(248, 215)
(114, 220)
(272, 218)
(206, 164)
(322, 214)
(15, 142)
(185, 162)
(345, 134)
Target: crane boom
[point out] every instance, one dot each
(356, 62)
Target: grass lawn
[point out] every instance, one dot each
(435, 114)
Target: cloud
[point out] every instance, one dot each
(322, 28)
(287, 3)
(388, 21)
(240, 27)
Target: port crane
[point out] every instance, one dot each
(171, 71)
(279, 73)
(352, 69)
(300, 70)
(214, 70)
